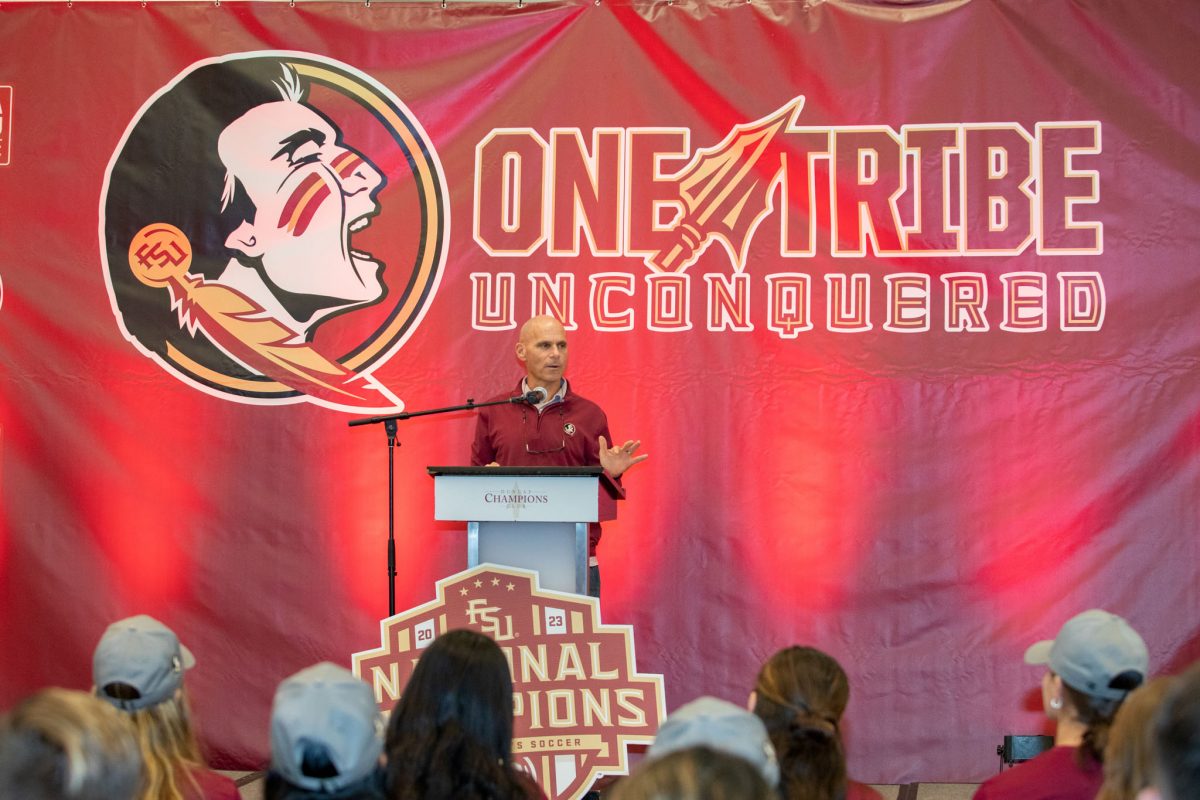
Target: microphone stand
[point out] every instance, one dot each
(389, 426)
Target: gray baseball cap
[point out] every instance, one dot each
(1097, 653)
(142, 653)
(325, 709)
(722, 726)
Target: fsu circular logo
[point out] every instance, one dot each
(274, 227)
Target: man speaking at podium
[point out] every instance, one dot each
(562, 429)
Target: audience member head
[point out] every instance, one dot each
(326, 737)
(450, 735)
(1128, 756)
(1176, 728)
(717, 725)
(1094, 662)
(800, 696)
(64, 745)
(695, 773)
(138, 667)
(139, 663)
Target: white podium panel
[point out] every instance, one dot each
(557, 551)
(516, 498)
(535, 518)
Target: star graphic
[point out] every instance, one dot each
(511, 586)
(478, 584)
(495, 581)
(463, 591)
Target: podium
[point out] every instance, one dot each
(531, 517)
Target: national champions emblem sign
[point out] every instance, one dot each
(273, 227)
(578, 698)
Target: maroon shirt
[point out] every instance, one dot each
(212, 785)
(1053, 775)
(861, 791)
(563, 434)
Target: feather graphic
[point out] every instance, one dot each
(726, 190)
(160, 256)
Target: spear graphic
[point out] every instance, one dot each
(726, 191)
(160, 255)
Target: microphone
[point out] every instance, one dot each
(535, 396)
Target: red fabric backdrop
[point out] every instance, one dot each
(921, 505)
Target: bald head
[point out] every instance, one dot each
(542, 348)
(540, 327)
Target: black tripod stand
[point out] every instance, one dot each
(389, 426)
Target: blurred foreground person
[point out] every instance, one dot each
(1129, 754)
(63, 745)
(695, 773)
(326, 738)
(718, 725)
(138, 667)
(1094, 662)
(1177, 742)
(450, 735)
(800, 696)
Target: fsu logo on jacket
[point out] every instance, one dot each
(274, 227)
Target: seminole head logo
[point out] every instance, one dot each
(274, 226)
